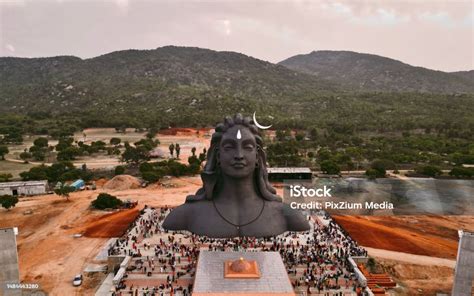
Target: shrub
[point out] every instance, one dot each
(151, 176)
(330, 167)
(372, 174)
(119, 170)
(429, 170)
(462, 172)
(106, 201)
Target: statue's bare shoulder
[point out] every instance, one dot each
(179, 218)
(295, 220)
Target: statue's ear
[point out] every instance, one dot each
(209, 180)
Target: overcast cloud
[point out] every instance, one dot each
(433, 34)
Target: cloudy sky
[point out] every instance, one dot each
(433, 34)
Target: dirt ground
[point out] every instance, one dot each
(185, 137)
(49, 254)
(416, 279)
(418, 251)
(435, 236)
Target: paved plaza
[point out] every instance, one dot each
(164, 262)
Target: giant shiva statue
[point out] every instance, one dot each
(236, 198)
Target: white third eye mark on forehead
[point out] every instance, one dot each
(239, 135)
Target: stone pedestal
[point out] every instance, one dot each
(210, 277)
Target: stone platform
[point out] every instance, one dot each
(210, 281)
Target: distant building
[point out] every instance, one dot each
(23, 188)
(280, 174)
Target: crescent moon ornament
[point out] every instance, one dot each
(259, 125)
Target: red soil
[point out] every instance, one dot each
(421, 235)
(111, 225)
(182, 131)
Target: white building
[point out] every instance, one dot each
(23, 188)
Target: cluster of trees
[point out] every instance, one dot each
(462, 172)
(68, 151)
(153, 171)
(139, 152)
(337, 149)
(38, 151)
(60, 171)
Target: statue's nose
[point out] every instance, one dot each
(239, 157)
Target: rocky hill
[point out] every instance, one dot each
(367, 72)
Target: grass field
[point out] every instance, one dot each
(14, 168)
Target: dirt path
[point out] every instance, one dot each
(411, 258)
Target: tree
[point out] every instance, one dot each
(147, 144)
(151, 132)
(372, 174)
(324, 154)
(68, 153)
(3, 150)
(330, 167)
(41, 142)
(135, 155)
(36, 173)
(38, 153)
(194, 165)
(429, 170)
(64, 142)
(380, 167)
(8, 201)
(64, 191)
(299, 136)
(106, 201)
(151, 176)
(171, 147)
(5, 177)
(178, 149)
(115, 141)
(460, 172)
(119, 170)
(25, 156)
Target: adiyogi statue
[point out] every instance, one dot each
(236, 198)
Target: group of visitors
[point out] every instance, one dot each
(316, 260)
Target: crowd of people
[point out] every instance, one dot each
(316, 260)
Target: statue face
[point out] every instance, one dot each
(238, 152)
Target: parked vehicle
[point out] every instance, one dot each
(77, 281)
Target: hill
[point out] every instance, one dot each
(166, 79)
(189, 87)
(369, 72)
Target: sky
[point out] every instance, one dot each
(432, 34)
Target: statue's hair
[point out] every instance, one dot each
(212, 175)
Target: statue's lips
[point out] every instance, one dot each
(239, 165)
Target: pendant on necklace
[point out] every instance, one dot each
(237, 227)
